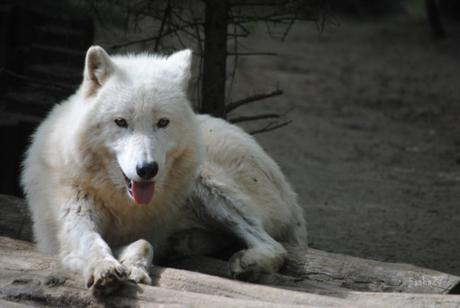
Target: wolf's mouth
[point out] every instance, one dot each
(140, 192)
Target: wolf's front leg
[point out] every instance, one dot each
(215, 202)
(83, 249)
(137, 259)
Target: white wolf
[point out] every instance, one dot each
(124, 165)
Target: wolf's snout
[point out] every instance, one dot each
(146, 171)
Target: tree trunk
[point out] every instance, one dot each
(215, 58)
(434, 20)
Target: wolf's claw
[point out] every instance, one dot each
(107, 276)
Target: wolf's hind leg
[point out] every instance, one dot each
(137, 259)
(213, 201)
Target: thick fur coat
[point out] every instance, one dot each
(124, 166)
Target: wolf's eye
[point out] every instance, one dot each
(162, 123)
(121, 122)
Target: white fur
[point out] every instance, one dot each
(75, 187)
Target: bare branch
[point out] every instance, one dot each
(255, 53)
(162, 25)
(243, 54)
(200, 63)
(288, 28)
(270, 126)
(196, 23)
(257, 97)
(235, 59)
(153, 38)
(231, 35)
(264, 3)
(254, 117)
(45, 83)
(183, 22)
(179, 39)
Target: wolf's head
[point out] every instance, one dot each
(138, 115)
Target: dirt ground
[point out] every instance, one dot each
(373, 149)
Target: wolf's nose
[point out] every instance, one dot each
(147, 171)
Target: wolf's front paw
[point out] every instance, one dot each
(138, 274)
(249, 264)
(106, 276)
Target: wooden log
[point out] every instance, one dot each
(329, 273)
(30, 278)
(309, 270)
(219, 268)
(366, 275)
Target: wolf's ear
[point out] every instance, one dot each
(98, 67)
(181, 63)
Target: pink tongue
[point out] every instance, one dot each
(142, 191)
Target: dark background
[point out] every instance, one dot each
(366, 94)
